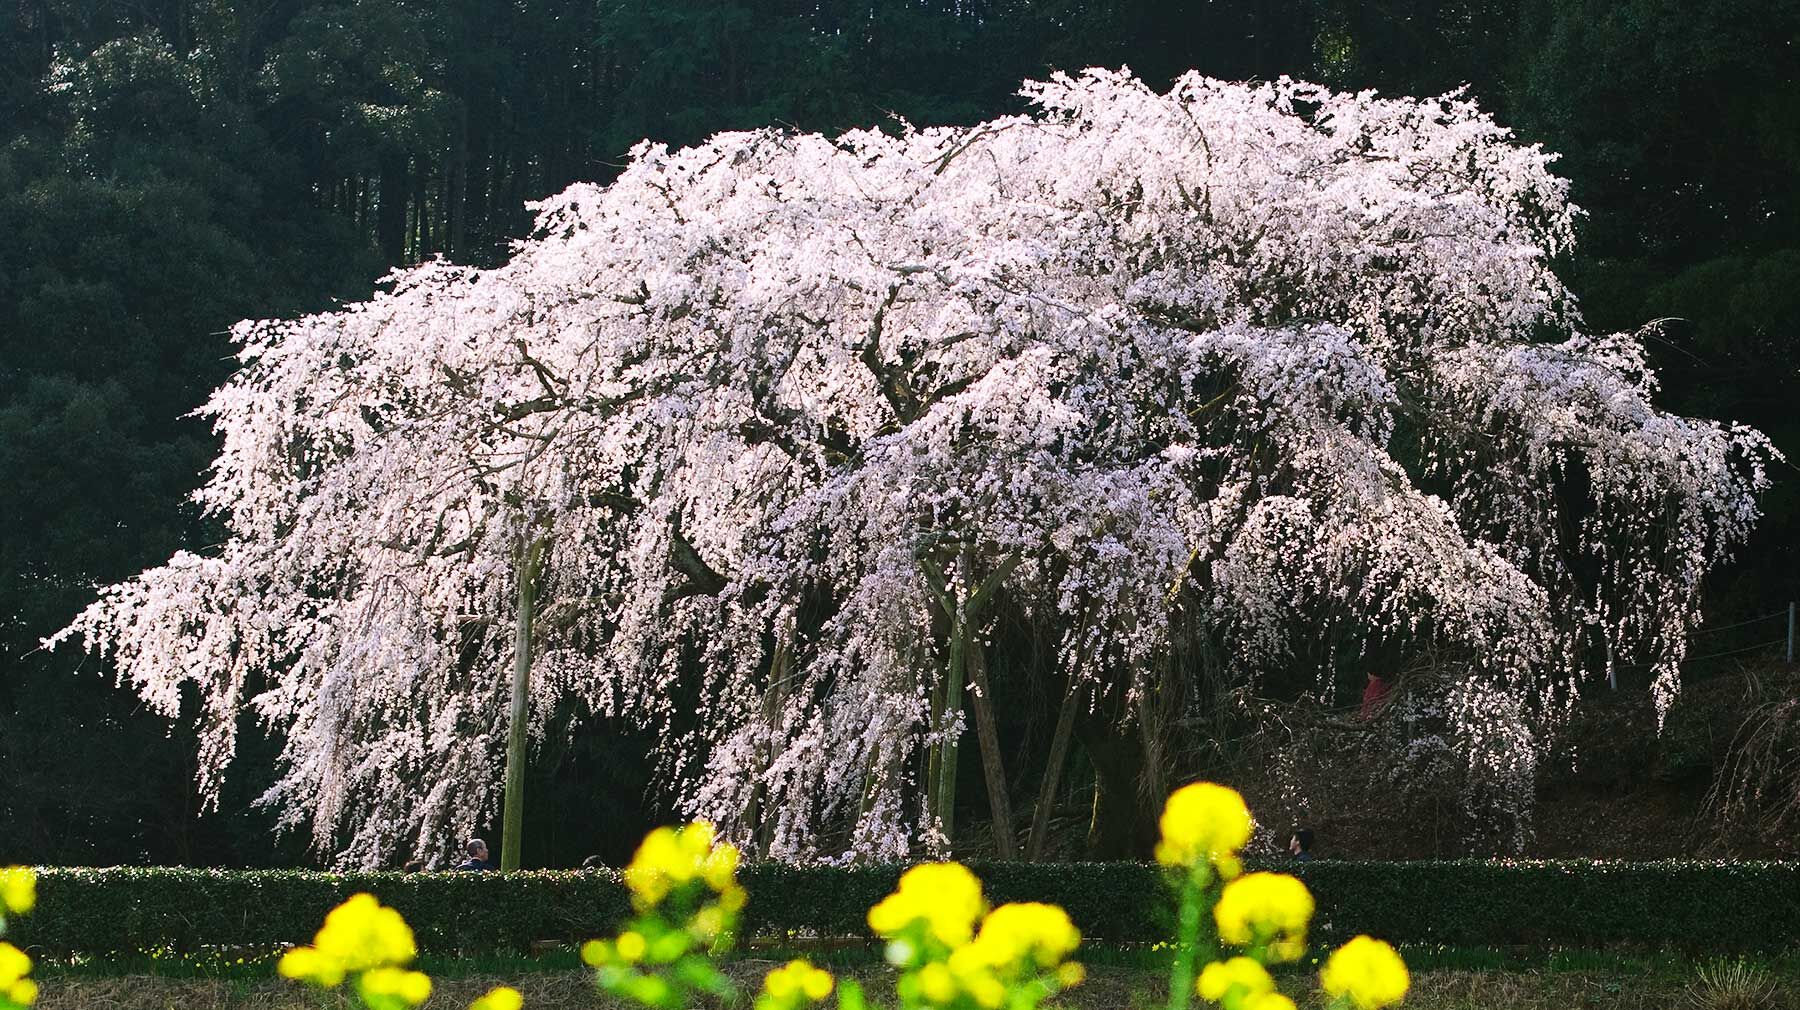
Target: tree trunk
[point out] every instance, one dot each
(949, 747)
(456, 184)
(999, 804)
(421, 214)
(934, 755)
(758, 817)
(390, 214)
(1118, 830)
(1153, 723)
(513, 816)
(1053, 767)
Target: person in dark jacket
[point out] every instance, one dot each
(1301, 845)
(477, 851)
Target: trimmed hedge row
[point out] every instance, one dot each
(1686, 904)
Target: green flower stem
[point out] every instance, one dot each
(1187, 935)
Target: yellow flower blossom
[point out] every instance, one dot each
(386, 986)
(1367, 971)
(14, 967)
(720, 868)
(1204, 824)
(733, 898)
(1269, 909)
(709, 922)
(23, 992)
(945, 896)
(306, 964)
(1239, 978)
(596, 953)
(936, 983)
(978, 981)
(499, 998)
(630, 946)
(1018, 944)
(797, 980)
(1025, 934)
(14, 964)
(1269, 1001)
(817, 984)
(18, 890)
(362, 933)
(671, 858)
(359, 936)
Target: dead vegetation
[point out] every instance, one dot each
(1106, 989)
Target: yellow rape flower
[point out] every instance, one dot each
(1270, 1001)
(630, 946)
(1024, 934)
(709, 922)
(719, 869)
(596, 953)
(1366, 971)
(18, 890)
(977, 979)
(14, 967)
(1265, 909)
(795, 980)
(936, 983)
(360, 935)
(670, 858)
(14, 964)
(1204, 824)
(386, 986)
(1239, 978)
(306, 964)
(499, 998)
(23, 992)
(945, 896)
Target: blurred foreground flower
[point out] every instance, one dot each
(1366, 974)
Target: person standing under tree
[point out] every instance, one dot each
(477, 851)
(1374, 696)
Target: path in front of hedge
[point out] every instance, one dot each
(1106, 989)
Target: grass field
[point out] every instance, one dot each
(1444, 979)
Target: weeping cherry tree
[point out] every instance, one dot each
(789, 424)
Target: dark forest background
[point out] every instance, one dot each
(168, 167)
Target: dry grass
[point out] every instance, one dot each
(544, 991)
(1106, 989)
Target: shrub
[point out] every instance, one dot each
(1690, 905)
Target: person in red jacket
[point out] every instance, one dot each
(1374, 696)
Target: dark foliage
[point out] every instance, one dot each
(171, 166)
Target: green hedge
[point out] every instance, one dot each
(1690, 905)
